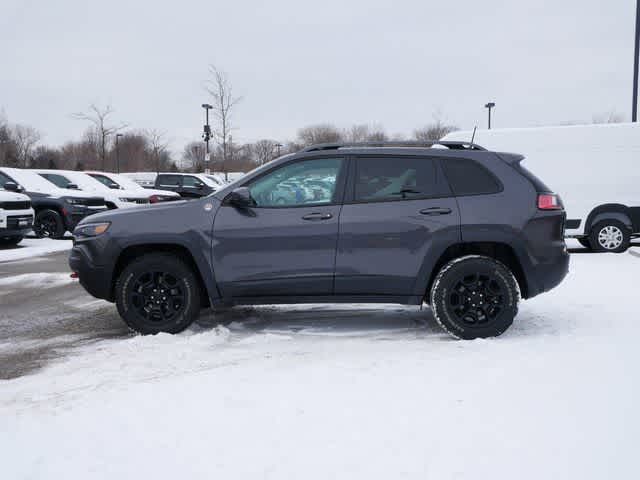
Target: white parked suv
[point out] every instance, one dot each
(114, 181)
(81, 181)
(16, 217)
(56, 210)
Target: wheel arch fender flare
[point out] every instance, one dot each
(609, 211)
(180, 245)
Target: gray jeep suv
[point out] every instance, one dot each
(465, 230)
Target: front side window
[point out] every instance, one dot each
(191, 182)
(106, 181)
(394, 178)
(58, 180)
(310, 182)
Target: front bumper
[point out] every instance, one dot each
(94, 278)
(73, 215)
(16, 223)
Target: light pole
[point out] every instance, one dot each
(489, 106)
(634, 106)
(118, 135)
(207, 137)
(279, 145)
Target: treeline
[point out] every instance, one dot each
(147, 150)
(109, 145)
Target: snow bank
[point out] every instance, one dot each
(555, 397)
(34, 247)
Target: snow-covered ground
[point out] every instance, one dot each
(34, 247)
(348, 392)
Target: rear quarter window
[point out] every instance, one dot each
(468, 177)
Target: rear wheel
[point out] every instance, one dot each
(610, 236)
(10, 241)
(48, 223)
(158, 292)
(475, 297)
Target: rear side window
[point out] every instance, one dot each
(537, 183)
(395, 178)
(468, 177)
(169, 180)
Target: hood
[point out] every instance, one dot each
(12, 197)
(164, 193)
(145, 212)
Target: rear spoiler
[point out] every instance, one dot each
(510, 158)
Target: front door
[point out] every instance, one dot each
(397, 211)
(286, 244)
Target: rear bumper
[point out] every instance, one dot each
(548, 275)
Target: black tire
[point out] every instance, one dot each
(158, 292)
(10, 241)
(48, 224)
(475, 297)
(584, 241)
(617, 242)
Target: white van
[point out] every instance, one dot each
(594, 168)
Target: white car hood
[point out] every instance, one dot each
(6, 196)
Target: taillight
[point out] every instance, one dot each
(154, 199)
(549, 201)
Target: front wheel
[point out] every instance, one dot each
(475, 297)
(156, 293)
(48, 224)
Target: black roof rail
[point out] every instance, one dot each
(453, 145)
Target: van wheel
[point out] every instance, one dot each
(48, 223)
(610, 236)
(475, 297)
(158, 292)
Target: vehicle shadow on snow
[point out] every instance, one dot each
(634, 243)
(325, 320)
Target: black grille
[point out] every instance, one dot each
(141, 201)
(95, 202)
(20, 205)
(13, 223)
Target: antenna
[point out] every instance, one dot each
(474, 133)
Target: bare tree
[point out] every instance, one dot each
(24, 139)
(223, 103)
(322, 133)
(435, 130)
(158, 144)
(264, 151)
(193, 157)
(365, 133)
(99, 118)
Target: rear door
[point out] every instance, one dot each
(398, 210)
(169, 182)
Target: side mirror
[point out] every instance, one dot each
(241, 197)
(72, 186)
(12, 187)
(114, 186)
(200, 186)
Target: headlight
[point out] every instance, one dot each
(91, 229)
(75, 201)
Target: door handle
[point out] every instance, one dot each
(435, 211)
(317, 216)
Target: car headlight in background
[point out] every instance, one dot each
(75, 201)
(91, 229)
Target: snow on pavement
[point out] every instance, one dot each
(34, 247)
(348, 392)
(37, 280)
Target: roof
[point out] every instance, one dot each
(451, 145)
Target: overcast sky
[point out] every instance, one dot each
(298, 63)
